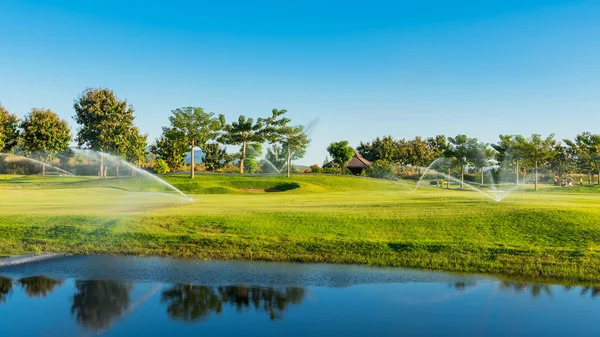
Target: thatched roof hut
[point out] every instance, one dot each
(356, 165)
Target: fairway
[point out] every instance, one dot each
(552, 233)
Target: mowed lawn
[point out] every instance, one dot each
(553, 233)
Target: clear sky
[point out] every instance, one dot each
(364, 68)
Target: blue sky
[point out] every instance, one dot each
(365, 69)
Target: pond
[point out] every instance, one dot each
(129, 296)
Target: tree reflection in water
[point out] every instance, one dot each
(6, 285)
(535, 289)
(39, 286)
(196, 303)
(97, 303)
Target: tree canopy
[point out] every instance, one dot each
(196, 127)
(341, 153)
(44, 135)
(9, 130)
(242, 132)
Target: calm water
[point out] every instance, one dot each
(127, 296)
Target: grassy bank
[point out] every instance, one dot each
(553, 233)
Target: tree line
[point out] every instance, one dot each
(513, 152)
(106, 124)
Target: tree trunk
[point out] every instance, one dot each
(289, 161)
(43, 169)
(132, 172)
(193, 163)
(101, 166)
(105, 171)
(117, 169)
(589, 177)
(517, 172)
(448, 180)
(536, 176)
(243, 158)
(598, 173)
(462, 176)
(482, 176)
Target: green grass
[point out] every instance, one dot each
(552, 234)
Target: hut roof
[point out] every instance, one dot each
(357, 161)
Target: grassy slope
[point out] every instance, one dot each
(553, 233)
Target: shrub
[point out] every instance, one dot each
(161, 166)
(381, 169)
(315, 169)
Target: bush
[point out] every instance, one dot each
(381, 169)
(250, 165)
(315, 169)
(161, 166)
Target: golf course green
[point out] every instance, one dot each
(553, 233)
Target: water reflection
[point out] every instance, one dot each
(6, 285)
(96, 303)
(194, 303)
(536, 290)
(39, 286)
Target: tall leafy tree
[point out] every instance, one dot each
(295, 141)
(384, 148)
(291, 138)
(242, 132)
(170, 147)
(482, 157)
(136, 148)
(215, 156)
(9, 130)
(105, 121)
(44, 135)
(341, 153)
(463, 150)
(420, 152)
(196, 127)
(275, 159)
(539, 150)
(586, 146)
(438, 145)
(564, 161)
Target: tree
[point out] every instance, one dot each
(482, 156)
(379, 149)
(105, 121)
(135, 150)
(9, 130)
(341, 153)
(420, 153)
(242, 132)
(44, 135)
(170, 147)
(215, 157)
(196, 127)
(539, 150)
(563, 161)
(291, 138)
(462, 150)
(438, 145)
(295, 141)
(509, 151)
(161, 166)
(586, 147)
(275, 159)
